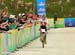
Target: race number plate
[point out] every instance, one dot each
(43, 30)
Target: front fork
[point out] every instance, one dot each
(42, 38)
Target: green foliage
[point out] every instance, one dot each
(63, 9)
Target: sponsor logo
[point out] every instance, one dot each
(41, 10)
(70, 24)
(41, 4)
(41, 13)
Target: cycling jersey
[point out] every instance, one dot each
(43, 24)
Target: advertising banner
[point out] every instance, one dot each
(60, 23)
(50, 21)
(69, 22)
(41, 7)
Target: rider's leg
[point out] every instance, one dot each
(40, 36)
(55, 24)
(46, 36)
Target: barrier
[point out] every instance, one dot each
(17, 39)
(2, 44)
(69, 22)
(60, 23)
(12, 40)
(20, 38)
(37, 30)
(51, 22)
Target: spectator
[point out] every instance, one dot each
(55, 20)
(12, 22)
(30, 15)
(4, 26)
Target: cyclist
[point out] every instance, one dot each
(43, 25)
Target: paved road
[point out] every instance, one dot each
(60, 42)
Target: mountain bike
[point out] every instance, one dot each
(43, 37)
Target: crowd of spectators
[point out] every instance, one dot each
(9, 22)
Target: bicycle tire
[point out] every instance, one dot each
(43, 44)
(43, 40)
